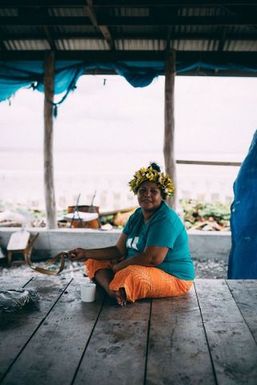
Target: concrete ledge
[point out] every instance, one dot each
(203, 245)
(210, 245)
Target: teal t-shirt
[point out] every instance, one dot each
(164, 229)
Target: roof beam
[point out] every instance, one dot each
(223, 39)
(103, 56)
(2, 46)
(41, 3)
(164, 19)
(125, 4)
(171, 3)
(242, 58)
(50, 39)
(103, 28)
(142, 36)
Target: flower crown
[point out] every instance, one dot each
(153, 174)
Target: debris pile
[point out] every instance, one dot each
(206, 216)
(197, 215)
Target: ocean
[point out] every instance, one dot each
(103, 176)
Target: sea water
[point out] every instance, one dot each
(102, 177)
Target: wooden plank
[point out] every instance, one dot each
(232, 346)
(19, 240)
(208, 162)
(11, 282)
(117, 350)
(17, 328)
(216, 301)
(245, 295)
(178, 351)
(54, 352)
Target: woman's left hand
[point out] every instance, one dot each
(120, 265)
(115, 267)
(78, 254)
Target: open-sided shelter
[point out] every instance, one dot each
(48, 44)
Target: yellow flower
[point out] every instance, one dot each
(163, 181)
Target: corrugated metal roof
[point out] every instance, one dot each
(203, 11)
(25, 45)
(131, 12)
(131, 28)
(195, 45)
(8, 12)
(82, 44)
(140, 45)
(75, 30)
(67, 12)
(241, 46)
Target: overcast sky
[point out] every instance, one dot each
(212, 115)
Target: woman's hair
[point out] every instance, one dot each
(155, 167)
(153, 173)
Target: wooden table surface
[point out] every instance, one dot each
(206, 337)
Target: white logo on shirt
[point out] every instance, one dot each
(132, 243)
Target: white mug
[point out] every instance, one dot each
(88, 291)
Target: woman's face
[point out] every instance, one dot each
(149, 196)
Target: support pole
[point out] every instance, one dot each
(169, 121)
(48, 142)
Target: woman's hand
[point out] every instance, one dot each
(121, 264)
(115, 268)
(151, 256)
(77, 255)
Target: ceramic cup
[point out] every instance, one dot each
(88, 291)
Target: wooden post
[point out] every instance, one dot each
(48, 142)
(169, 121)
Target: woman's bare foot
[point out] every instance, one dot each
(104, 277)
(119, 296)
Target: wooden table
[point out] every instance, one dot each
(206, 337)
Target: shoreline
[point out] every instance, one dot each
(107, 173)
(196, 215)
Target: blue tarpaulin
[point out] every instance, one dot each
(243, 254)
(18, 74)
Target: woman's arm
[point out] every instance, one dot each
(151, 256)
(104, 253)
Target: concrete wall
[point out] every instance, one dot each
(203, 245)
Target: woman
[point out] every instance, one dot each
(151, 258)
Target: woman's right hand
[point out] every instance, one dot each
(78, 254)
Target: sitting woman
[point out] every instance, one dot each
(151, 258)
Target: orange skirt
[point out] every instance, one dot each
(141, 281)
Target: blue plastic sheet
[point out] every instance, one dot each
(243, 254)
(18, 74)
